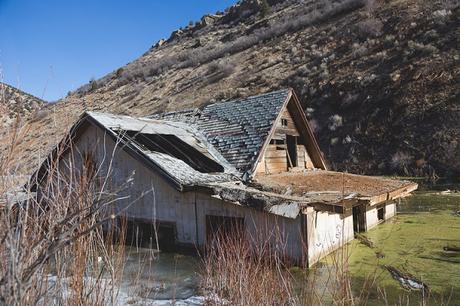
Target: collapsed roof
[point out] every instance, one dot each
(182, 172)
(216, 148)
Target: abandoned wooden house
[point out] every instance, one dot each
(252, 163)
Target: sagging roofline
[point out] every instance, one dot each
(74, 134)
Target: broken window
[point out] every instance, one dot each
(280, 145)
(172, 145)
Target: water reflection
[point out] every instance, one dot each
(160, 276)
(414, 242)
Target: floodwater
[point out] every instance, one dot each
(412, 242)
(161, 278)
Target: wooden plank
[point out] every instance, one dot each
(272, 130)
(288, 131)
(403, 191)
(261, 166)
(308, 137)
(269, 162)
(279, 136)
(273, 148)
(277, 168)
(277, 153)
(276, 162)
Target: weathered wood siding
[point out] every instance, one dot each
(275, 158)
(151, 198)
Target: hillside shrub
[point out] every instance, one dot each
(370, 27)
(191, 58)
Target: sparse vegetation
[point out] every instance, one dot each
(264, 8)
(405, 76)
(370, 27)
(53, 245)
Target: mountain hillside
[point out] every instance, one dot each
(379, 79)
(15, 103)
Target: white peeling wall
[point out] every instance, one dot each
(372, 219)
(327, 231)
(390, 211)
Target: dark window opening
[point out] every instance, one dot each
(381, 214)
(277, 141)
(292, 150)
(300, 140)
(172, 145)
(144, 235)
(359, 219)
(223, 227)
(280, 145)
(284, 122)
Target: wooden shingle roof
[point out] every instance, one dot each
(237, 129)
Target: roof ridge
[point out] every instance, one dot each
(258, 96)
(220, 102)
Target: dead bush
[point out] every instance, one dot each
(400, 161)
(370, 27)
(218, 70)
(52, 242)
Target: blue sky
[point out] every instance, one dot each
(48, 47)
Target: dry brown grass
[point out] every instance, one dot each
(238, 272)
(57, 245)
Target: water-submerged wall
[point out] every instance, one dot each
(149, 197)
(373, 217)
(326, 232)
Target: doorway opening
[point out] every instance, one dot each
(381, 214)
(144, 234)
(291, 142)
(359, 219)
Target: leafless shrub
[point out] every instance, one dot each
(218, 70)
(349, 99)
(400, 161)
(359, 50)
(335, 122)
(370, 27)
(237, 274)
(314, 125)
(441, 16)
(370, 6)
(450, 4)
(239, 269)
(52, 244)
(40, 114)
(206, 54)
(419, 47)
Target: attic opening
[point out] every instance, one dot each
(175, 147)
(291, 142)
